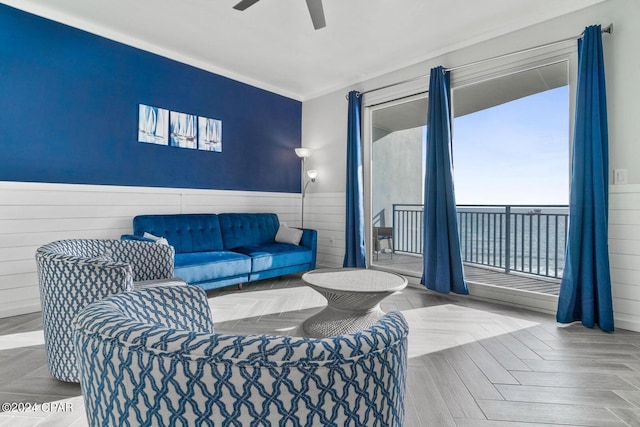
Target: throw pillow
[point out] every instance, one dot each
(158, 240)
(288, 235)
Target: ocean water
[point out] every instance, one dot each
(531, 242)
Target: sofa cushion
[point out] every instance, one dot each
(275, 255)
(206, 266)
(185, 232)
(247, 229)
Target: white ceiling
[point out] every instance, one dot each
(273, 45)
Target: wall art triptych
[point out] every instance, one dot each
(164, 127)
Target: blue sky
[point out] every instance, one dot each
(514, 153)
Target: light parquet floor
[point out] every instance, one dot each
(471, 364)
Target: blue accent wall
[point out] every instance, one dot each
(69, 114)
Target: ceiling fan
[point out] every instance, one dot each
(315, 10)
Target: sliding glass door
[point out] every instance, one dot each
(511, 171)
(397, 179)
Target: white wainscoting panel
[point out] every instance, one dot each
(624, 254)
(32, 214)
(325, 212)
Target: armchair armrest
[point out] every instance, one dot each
(174, 306)
(148, 260)
(58, 273)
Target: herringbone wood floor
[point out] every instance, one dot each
(470, 363)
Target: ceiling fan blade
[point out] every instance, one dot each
(317, 13)
(245, 4)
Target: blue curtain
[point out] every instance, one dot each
(355, 254)
(442, 269)
(585, 290)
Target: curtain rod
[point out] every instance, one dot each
(608, 29)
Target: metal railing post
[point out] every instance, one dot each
(395, 229)
(507, 243)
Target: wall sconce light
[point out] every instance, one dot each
(305, 153)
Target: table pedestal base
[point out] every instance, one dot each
(333, 321)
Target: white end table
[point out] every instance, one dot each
(353, 297)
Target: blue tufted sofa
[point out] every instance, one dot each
(216, 250)
(151, 358)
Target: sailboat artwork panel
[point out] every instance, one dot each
(209, 134)
(183, 130)
(153, 125)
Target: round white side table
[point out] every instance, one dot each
(353, 299)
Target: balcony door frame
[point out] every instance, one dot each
(417, 89)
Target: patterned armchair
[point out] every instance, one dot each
(73, 273)
(151, 358)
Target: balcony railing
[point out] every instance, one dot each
(528, 239)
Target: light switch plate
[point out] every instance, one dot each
(619, 176)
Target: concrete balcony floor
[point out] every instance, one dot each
(412, 265)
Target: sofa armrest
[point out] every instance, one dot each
(310, 240)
